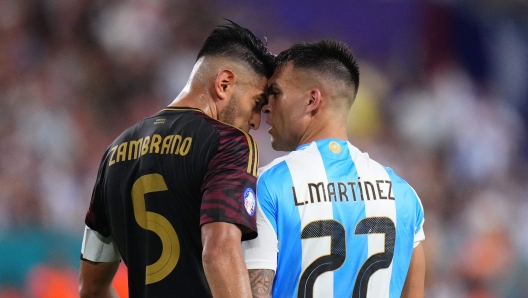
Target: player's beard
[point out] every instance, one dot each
(228, 114)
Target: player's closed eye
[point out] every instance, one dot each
(261, 101)
(272, 92)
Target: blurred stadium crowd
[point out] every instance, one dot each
(443, 100)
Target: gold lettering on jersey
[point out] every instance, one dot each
(144, 148)
(156, 140)
(177, 139)
(166, 144)
(134, 149)
(186, 146)
(136, 145)
(112, 161)
(157, 223)
(121, 152)
(159, 121)
(342, 191)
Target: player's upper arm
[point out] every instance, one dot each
(99, 263)
(97, 248)
(228, 190)
(95, 279)
(261, 252)
(217, 236)
(414, 283)
(413, 205)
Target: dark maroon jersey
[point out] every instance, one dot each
(159, 182)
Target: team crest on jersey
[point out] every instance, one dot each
(250, 201)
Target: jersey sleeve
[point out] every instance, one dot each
(261, 252)
(228, 191)
(419, 234)
(96, 217)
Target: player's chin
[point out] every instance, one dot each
(274, 143)
(277, 145)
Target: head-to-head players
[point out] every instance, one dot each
(327, 212)
(174, 193)
(229, 80)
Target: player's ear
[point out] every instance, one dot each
(314, 100)
(225, 84)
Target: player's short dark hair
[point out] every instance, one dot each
(233, 41)
(326, 56)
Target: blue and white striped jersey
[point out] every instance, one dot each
(334, 223)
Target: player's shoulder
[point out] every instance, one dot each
(229, 134)
(235, 143)
(223, 128)
(185, 118)
(274, 165)
(365, 163)
(165, 118)
(280, 164)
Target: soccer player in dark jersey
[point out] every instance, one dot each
(175, 193)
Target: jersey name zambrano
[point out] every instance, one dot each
(158, 183)
(334, 223)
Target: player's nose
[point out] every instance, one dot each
(266, 109)
(254, 121)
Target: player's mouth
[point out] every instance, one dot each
(271, 126)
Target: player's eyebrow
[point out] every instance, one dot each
(271, 87)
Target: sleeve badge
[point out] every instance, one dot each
(250, 201)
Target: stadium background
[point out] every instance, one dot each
(443, 100)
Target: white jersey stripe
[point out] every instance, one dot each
(369, 172)
(304, 174)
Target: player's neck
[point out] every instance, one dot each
(196, 100)
(329, 130)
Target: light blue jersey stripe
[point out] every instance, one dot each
(287, 226)
(341, 168)
(406, 201)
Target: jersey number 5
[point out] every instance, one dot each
(336, 231)
(158, 224)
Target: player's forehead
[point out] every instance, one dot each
(256, 88)
(286, 76)
(251, 80)
(259, 84)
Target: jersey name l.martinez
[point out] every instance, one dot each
(158, 183)
(334, 223)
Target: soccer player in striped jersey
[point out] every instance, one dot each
(174, 195)
(332, 222)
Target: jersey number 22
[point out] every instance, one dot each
(336, 231)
